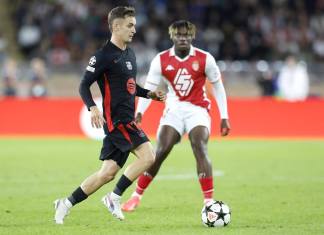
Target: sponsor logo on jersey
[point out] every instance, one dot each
(129, 65)
(131, 86)
(169, 68)
(183, 82)
(92, 61)
(195, 65)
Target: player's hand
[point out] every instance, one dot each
(156, 95)
(97, 120)
(138, 118)
(225, 127)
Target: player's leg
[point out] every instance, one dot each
(197, 125)
(167, 138)
(199, 136)
(145, 158)
(91, 184)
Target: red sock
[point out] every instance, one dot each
(207, 186)
(143, 182)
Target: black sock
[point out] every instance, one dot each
(122, 185)
(77, 196)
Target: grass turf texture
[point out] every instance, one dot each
(272, 187)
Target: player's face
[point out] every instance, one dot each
(182, 39)
(126, 29)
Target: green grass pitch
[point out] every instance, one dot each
(272, 187)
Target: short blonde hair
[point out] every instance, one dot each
(175, 26)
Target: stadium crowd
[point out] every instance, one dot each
(67, 31)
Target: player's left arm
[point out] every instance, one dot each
(214, 76)
(154, 95)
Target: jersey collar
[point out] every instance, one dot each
(191, 52)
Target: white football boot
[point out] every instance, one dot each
(62, 209)
(112, 202)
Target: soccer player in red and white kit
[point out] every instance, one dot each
(184, 69)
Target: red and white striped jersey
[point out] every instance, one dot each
(185, 77)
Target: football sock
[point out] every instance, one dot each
(77, 196)
(142, 183)
(68, 203)
(207, 187)
(114, 196)
(122, 185)
(135, 194)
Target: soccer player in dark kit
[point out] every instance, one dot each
(113, 67)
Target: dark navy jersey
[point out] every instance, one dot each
(115, 72)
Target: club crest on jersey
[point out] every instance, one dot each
(92, 61)
(195, 65)
(129, 65)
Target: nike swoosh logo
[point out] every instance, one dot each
(117, 60)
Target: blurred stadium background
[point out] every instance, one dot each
(45, 46)
(247, 37)
(274, 186)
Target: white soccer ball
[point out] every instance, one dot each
(216, 214)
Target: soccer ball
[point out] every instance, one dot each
(216, 214)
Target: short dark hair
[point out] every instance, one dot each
(173, 28)
(120, 12)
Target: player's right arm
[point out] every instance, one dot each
(214, 76)
(94, 71)
(152, 82)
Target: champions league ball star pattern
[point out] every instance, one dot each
(216, 214)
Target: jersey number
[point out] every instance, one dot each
(183, 82)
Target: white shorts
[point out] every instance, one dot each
(184, 116)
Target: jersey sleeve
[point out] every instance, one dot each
(153, 79)
(154, 75)
(221, 100)
(93, 72)
(211, 69)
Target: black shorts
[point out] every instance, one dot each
(123, 139)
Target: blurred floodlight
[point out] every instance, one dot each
(236, 66)
(262, 66)
(222, 65)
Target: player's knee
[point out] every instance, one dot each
(105, 176)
